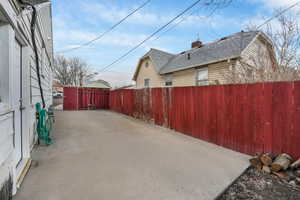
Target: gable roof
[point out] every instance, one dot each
(229, 47)
(98, 84)
(226, 48)
(159, 59)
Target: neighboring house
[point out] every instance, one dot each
(126, 87)
(19, 88)
(204, 64)
(56, 87)
(100, 84)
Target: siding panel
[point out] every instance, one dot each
(217, 73)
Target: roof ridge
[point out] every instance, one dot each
(222, 50)
(169, 60)
(162, 51)
(218, 40)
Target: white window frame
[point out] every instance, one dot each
(146, 82)
(202, 77)
(169, 80)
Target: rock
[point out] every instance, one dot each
(297, 180)
(267, 158)
(297, 173)
(281, 175)
(292, 182)
(255, 162)
(295, 164)
(291, 174)
(266, 169)
(282, 162)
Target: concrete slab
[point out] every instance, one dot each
(105, 155)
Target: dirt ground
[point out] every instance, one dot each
(255, 185)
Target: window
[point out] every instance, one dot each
(169, 80)
(146, 64)
(147, 82)
(202, 77)
(188, 56)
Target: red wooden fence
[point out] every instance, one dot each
(76, 98)
(250, 118)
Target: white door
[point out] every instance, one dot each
(17, 101)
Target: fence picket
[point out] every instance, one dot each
(249, 118)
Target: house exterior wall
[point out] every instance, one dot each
(15, 28)
(257, 54)
(217, 72)
(184, 78)
(216, 75)
(148, 73)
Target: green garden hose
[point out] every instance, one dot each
(44, 123)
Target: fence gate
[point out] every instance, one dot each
(77, 98)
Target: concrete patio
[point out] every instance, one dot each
(105, 155)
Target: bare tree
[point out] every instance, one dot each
(61, 71)
(71, 71)
(284, 54)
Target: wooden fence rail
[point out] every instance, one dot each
(248, 118)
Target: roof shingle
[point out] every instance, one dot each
(159, 58)
(225, 48)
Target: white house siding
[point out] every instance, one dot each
(18, 25)
(258, 54)
(44, 33)
(148, 72)
(217, 72)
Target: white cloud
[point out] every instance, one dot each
(73, 35)
(116, 79)
(275, 4)
(112, 14)
(58, 21)
(258, 20)
(77, 46)
(67, 37)
(261, 18)
(77, 37)
(123, 39)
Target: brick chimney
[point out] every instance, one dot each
(196, 44)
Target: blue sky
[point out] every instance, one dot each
(77, 21)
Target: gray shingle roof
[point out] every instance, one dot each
(159, 58)
(223, 49)
(226, 48)
(98, 84)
